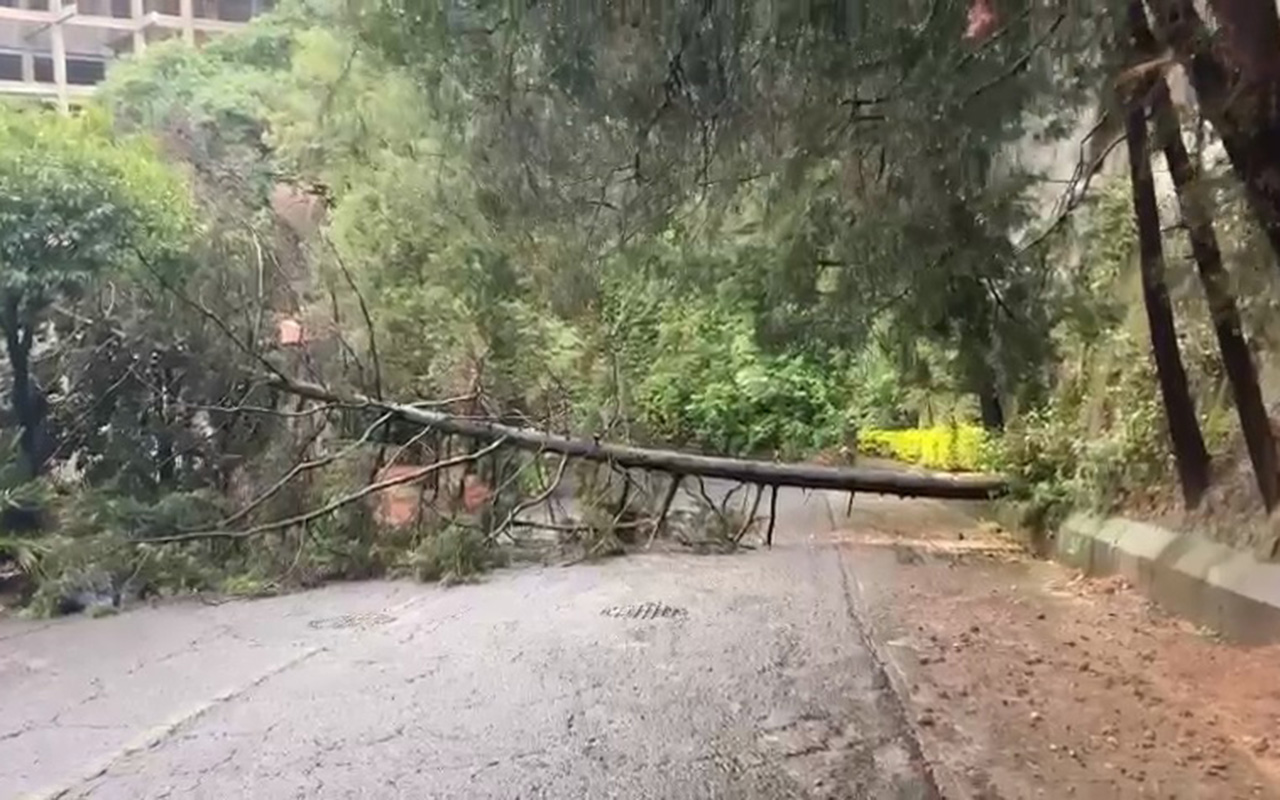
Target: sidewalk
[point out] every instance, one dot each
(1025, 680)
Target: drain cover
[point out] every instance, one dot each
(645, 611)
(367, 620)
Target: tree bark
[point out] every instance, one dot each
(1252, 30)
(1227, 325)
(27, 400)
(991, 407)
(1235, 72)
(764, 473)
(1184, 428)
(1197, 215)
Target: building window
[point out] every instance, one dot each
(80, 71)
(85, 71)
(44, 69)
(10, 67)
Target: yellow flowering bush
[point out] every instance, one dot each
(959, 448)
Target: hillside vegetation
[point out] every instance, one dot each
(745, 230)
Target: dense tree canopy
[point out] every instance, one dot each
(754, 229)
(76, 205)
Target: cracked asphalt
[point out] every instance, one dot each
(521, 686)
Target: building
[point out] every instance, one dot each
(58, 50)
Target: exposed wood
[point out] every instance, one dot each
(1190, 454)
(766, 473)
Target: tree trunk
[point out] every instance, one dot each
(991, 408)
(1236, 75)
(1251, 29)
(1236, 357)
(28, 403)
(764, 473)
(1184, 429)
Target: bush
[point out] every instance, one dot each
(452, 555)
(946, 447)
(708, 382)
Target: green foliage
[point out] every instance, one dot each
(75, 201)
(106, 569)
(453, 554)
(210, 106)
(711, 384)
(247, 585)
(25, 552)
(710, 228)
(105, 510)
(1102, 440)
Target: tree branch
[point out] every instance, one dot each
(302, 467)
(329, 507)
(530, 503)
(767, 473)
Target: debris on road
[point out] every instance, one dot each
(1036, 682)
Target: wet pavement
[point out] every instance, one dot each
(651, 676)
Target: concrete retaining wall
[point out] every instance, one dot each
(1208, 583)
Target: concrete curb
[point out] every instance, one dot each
(1208, 583)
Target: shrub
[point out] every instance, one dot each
(946, 447)
(452, 555)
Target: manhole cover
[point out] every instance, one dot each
(367, 620)
(645, 611)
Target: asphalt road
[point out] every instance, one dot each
(651, 676)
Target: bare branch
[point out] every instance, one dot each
(751, 517)
(417, 437)
(1021, 63)
(305, 466)
(330, 507)
(666, 506)
(530, 503)
(209, 315)
(1078, 187)
(706, 498)
(773, 515)
(275, 412)
(364, 312)
(581, 527)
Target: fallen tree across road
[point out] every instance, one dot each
(761, 473)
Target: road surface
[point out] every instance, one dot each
(651, 676)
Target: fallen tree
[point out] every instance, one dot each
(679, 464)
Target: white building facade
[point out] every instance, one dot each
(57, 50)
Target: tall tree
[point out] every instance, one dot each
(870, 139)
(1190, 454)
(1235, 70)
(1197, 216)
(75, 203)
